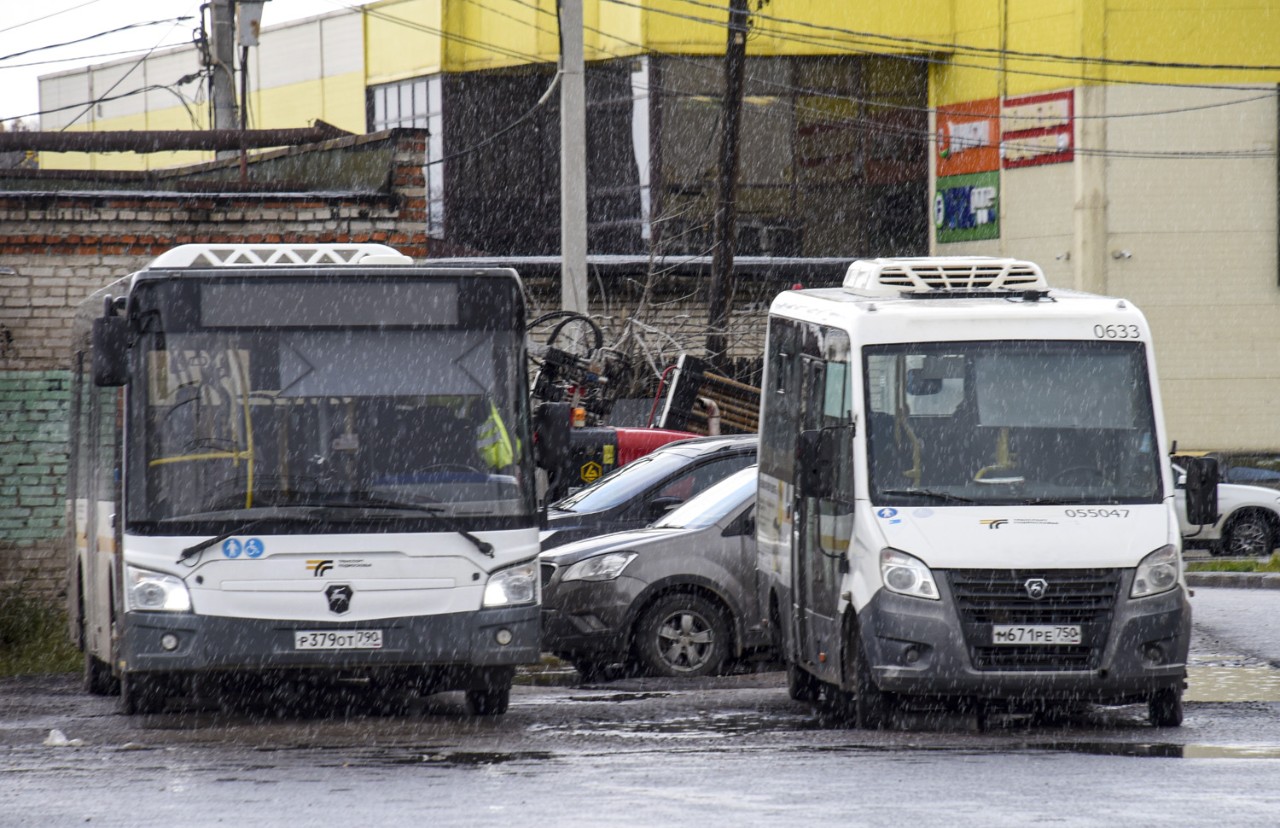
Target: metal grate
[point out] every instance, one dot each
(985, 597)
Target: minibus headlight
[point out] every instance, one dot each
(599, 568)
(149, 591)
(1157, 573)
(512, 586)
(907, 575)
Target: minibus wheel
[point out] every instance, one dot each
(141, 694)
(868, 707)
(1164, 709)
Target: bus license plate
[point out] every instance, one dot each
(337, 640)
(1035, 634)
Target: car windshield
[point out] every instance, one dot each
(714, 504)
(624, 483)
(1010, 422)
(1251, 469)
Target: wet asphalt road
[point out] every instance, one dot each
(733, 750)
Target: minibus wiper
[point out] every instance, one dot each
(946, 496)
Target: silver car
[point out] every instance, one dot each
(677, 598)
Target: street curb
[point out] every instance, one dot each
(1235, 580)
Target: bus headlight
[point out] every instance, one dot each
(149, 591)
(600, 568)
(511, 586)
(1156, 573)
(906, 575)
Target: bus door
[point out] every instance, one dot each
(823, 525)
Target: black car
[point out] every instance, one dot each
(644, 490)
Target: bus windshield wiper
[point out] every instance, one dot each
(242, 529)
(930, 493)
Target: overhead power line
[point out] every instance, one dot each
(174, 20)
(46, 17)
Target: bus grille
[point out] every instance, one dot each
(1084, 597)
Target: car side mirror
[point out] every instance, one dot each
(659, 506)
(1201, 482)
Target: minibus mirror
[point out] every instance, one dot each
(1202, 490)
(110, 364)
(816, 475)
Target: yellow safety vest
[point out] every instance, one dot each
(493, 442)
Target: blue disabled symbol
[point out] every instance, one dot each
(254, 547)
(231, 548)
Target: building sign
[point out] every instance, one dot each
(1037, 129)
(968, 138)
(967, 207)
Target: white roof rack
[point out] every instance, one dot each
(891, 277)
(265, 255)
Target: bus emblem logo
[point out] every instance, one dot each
(339, 596)
(319, 568)
(1036, 588)
(994, 523)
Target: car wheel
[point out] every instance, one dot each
(1250, 534)
(682, 635)
(1164, 708)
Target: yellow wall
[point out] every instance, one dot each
(1161, 31)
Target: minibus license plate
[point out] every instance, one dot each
(1035, 634)
(337, 639)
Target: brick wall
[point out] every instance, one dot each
(59, 246)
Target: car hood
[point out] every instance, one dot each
(636, 540)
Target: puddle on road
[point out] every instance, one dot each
(1232, 684)
(1164, 750)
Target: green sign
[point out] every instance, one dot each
(967, 207)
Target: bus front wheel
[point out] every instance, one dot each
(141, 694)
(489, 702)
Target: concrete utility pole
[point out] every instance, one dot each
(222, 57)
(573, 160)
(721, 290)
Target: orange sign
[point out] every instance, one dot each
(968, 137)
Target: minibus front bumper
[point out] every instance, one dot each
(930, 648)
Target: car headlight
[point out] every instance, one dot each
(512, 586)
(906, 575)
(155, 591)
(600, 568)
(1156, 573)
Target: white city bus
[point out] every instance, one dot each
(964, 494)
(292, 462)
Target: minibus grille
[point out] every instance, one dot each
(1081, 597)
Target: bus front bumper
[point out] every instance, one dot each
(185, 642)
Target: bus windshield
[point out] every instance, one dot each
(1016, 422)
(245, 420)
